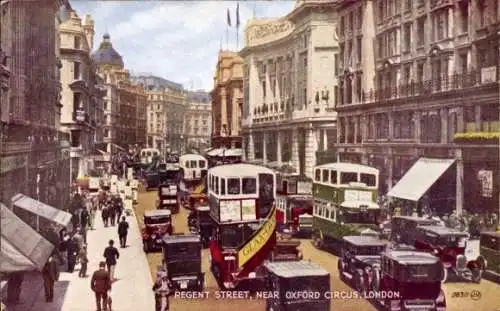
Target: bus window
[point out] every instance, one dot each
(317, 175)
(193, 164)
(368, 179)
(217, 185)
(202, 164)
(346, 178)
(325, 175)
(233, 186)
(333, 177)
(266, 194)
(249, 185)
(148, 153)
(231, 236)
(186, 164)
(222, 186)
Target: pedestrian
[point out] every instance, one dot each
(78, 238)
(92, 214)
(105, 214)
(111, 254)
(84, 222)
(84, 260)
(123, 232)
(50, 274)
(100, 284)
(14, 284)
(112, 212)
(72, 254)
(63, 248)
(162, 289)
(119, 209)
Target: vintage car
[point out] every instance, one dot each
(489, 248)
(283, 277)
(168, 197)
(407, 280)
(403, 228)
(157, 224)
(151, 179)
(358, 253)
(199, 222)
(450, 245)
(182, 257)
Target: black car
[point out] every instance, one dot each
(182, 257)
(199, 222)
(284, 277)
(359, 253)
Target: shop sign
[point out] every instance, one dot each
(11, 163)
(486, 179)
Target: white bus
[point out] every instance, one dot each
(193, 167)
(147, 155)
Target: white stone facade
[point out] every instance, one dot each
(290, 87)
(198, 120)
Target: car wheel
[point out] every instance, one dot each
(341, 270)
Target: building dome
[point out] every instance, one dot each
(106, 54)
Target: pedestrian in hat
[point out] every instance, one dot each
(100, 285)
(84, 260)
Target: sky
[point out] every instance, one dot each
(175, 40)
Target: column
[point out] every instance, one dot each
(356, 129)
(264, 147)
(364, 128)
(295, 149)
(444, 125)
(340, 129)
(418, 128)
(278, 148)
(460, 180)
(390, 120)
(325, 139)
(311, 148)
(478, 118)
(244, 146)
(460, 120)
(251, 147)
(347, 130)
(390, 168)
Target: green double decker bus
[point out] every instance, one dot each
(345, 202)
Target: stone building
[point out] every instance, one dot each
(428, 88)
(32, 160)
(290, 89)
(227, 101)
(82, 93)
(165, 112)
(198, 120)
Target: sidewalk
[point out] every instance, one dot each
(131, 291)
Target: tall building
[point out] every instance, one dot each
(165, 110)
(198, 120)
(227, 100)
(434, 93)
(32, 160)
(82, 93)
(290, 89)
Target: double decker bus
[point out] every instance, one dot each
(345, 196)
(294, 204)
(242, 207)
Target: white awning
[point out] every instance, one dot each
(419, 178)
(215, 152)
(41, 209)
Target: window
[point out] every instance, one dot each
(223, 186)
(408, 5)
(407, 37)
(264, 89)
(192, 164)
(441, 24)
(77, 100)
(266, 194)
(337, 64)
(464, 16)
(359, 49)
(75, 138)
(76, 42)
(346, 178)
(249, 185)
(463, 62)
(317, 175)
(368, 179)
(420, 72)
(421, 31)
(481, 7)
(76, 71)
(304, 92)
(233, 186)
(201, 164)
(325, 175)
(216, 184)
(360, 17)
(351, 22)
(359, 89)
(106, 133)
(333, 177)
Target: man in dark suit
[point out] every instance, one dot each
(50, 275)
(111, 254)
(123, 231)
(100, 284)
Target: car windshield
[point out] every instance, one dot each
(156, 220)
(369, 250)
(183, 267)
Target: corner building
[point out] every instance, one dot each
(289, 86)
(428, 88)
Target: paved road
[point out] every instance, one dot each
(131, 292)
(489, 300)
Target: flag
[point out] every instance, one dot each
(228, 18)
(238, 15)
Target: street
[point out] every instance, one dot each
(460, 296)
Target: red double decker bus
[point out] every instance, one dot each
(242, 207)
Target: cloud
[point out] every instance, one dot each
(178, 41)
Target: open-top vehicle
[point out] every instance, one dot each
(199, 222)
(489, 248)
(285, 277)
(168, 197)
(404, 228)
(157, 224)
(357, 254)
(407, 280)
(182, 257)
(450, 245)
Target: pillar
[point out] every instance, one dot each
(418, 128)
(340, 129)
(460, 181)
(278, 148)
(347, 129)
(477, 118)
(460, 120)
(264, 147)
(390, 120)
(311, 148)
(444, 125)
(295, 149)
(390, 169)
(325, 139)
(356, 129)
(364, 128)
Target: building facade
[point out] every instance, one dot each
(432, 91)
(290, 88)
(227, 101)
(32, 157)
(82, 93)
(198, 120)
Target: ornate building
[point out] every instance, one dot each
(428, 88)
(289, 86)
(227, 100)
(82, 93)
(32, 160)
(198, 120)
